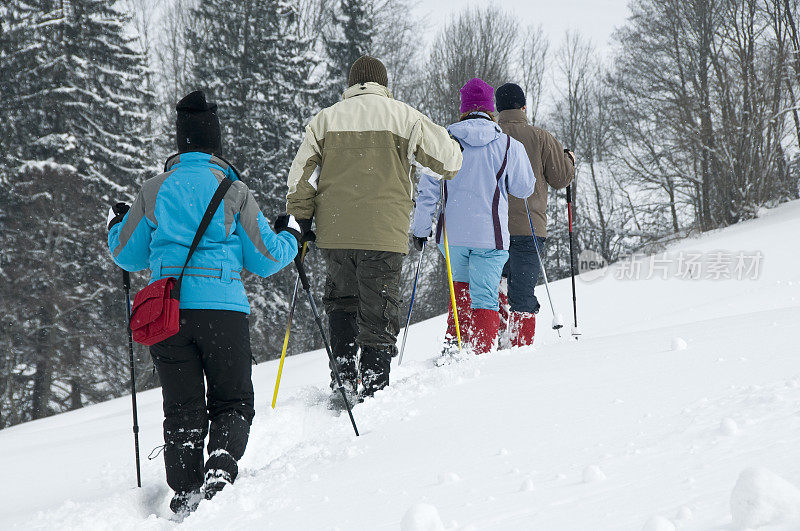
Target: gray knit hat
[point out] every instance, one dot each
(367, 69)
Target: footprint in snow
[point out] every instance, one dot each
(593, 474)
(447, 478)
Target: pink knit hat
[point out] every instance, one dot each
(477, 94)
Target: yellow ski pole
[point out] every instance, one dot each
(288, 330)
(450, 280)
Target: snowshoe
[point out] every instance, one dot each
(215, 481)
(449, 352)
(336, 402)
(184, 503)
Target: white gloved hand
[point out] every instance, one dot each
(293, 224)
(116, 214)
(111, 215)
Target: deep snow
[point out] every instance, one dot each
(678, 408)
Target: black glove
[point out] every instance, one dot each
(305, 225)
(419, 242)
(116, 213)
(287, 223)
(308, 237)
(305, 229)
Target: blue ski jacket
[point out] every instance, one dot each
(476, 200)
(159, 228)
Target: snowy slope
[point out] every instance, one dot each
(625, 429)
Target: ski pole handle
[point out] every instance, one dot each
(568, 152)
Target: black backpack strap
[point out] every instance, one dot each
(222, 189)
(496, 222)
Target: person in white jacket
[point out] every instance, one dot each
(475, 214)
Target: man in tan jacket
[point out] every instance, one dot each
(353, 174)
(553, 166)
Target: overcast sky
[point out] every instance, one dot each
(594, 18)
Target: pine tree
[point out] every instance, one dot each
(253, 62)
(17, 52)
(78, 144)
(85, 105)
(351, 36)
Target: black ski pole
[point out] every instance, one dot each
(575, 331)
(301, 271)
(126, 283)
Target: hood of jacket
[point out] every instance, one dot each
(201, 159)
(367, 88)
(512, 116)
(476, 132)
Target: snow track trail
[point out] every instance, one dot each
(678, 408)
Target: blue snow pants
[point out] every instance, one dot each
(482, 268)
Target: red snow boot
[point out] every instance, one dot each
(464, 308)
(485, 327)
(522, 326)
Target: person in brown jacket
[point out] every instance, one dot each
(553, 166)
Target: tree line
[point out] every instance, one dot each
(688, 123)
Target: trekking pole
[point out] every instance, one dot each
(413, 294)
(575, 330)
(450, 276)
(452, 288)
(558, 319)
(411, 305)
(301, 272)
(126, 284)
(288, 329)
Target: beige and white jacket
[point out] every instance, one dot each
(354, 170)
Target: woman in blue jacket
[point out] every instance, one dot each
(213, 342)
(476, 214)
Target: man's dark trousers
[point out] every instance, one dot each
(522, 271)
(212, 345)
(362, 300)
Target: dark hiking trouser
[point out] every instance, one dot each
(362, 300)
(523, 270)
(343, 328)
(213, 345)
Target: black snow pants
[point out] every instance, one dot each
(362, 300)
(212, 345)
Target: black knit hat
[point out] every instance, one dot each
(197, 125)
(509, 96)
(367, 69)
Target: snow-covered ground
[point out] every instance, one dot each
(678, 408)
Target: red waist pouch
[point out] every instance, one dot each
(154, 315)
